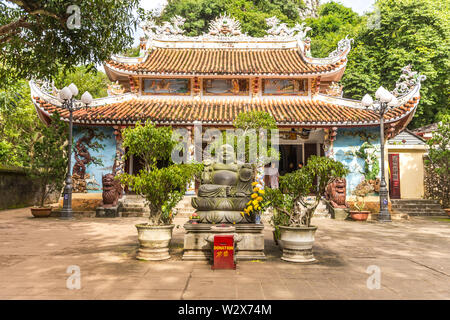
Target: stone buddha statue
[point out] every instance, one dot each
(225, 188)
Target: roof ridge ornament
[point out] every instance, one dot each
(225, 25)
(278, 29)
(343, 45)
(407, 81)
(167, 28)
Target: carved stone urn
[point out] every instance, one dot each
(154, 241)
(225, 189)
(297, 243)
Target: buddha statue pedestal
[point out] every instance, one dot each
(197, 244)
(223, 194)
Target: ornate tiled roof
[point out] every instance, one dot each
(226, 62)
(225, 50)
(286, 111)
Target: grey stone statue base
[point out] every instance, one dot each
(339, 214)
(111, 212)
(250, 246)
(221, 216)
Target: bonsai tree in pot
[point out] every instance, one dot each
(361, 192)
(161, 186)
(48, 163)
(293, 200)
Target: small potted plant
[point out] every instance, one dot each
(291, 200)
(162, 187)
(360, 192)
(49, 163)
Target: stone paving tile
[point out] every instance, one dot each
(210, 289)
(412, 255)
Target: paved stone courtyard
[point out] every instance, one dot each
(413, 256)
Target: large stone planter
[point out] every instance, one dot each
(154, 242)
(297, 243)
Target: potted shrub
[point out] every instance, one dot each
(291, 200)
(277, 220)
(48, 163)
(162, 187)
(361, 192)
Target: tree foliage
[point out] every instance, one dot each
(334, 23)
(437, 165)
(260, 123)
(403, 32)
(86, 78)
(39, 37)
(250, 13)
(149, 143)
(49, 158)
(19, 125)
(162, 187)
(291, 198)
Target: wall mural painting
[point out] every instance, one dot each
(93, 156)
(284, 86)
(359, 150)
(166, 86)
(225, 86)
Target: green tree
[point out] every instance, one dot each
(163, 187)
(437, 180)
(85, 78)
(251, 14)
(403, 32)
(39, 37)
(19, 125)
(291, 199)
(334, 23)
(257, 120)
(49, 158)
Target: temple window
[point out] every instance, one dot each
(285, 86)
(166, 86)
(225, 87)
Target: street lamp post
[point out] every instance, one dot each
(385, 100)
(67, 95)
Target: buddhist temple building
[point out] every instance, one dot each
(181, 81)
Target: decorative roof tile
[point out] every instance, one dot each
(225, 62)
(287, 111)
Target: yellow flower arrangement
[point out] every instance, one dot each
(256, 202)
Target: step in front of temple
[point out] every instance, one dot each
(133, 206)
(418, 207)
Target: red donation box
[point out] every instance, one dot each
(223, 252)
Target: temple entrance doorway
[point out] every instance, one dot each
(297, 146)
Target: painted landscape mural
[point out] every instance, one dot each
(93, 156)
